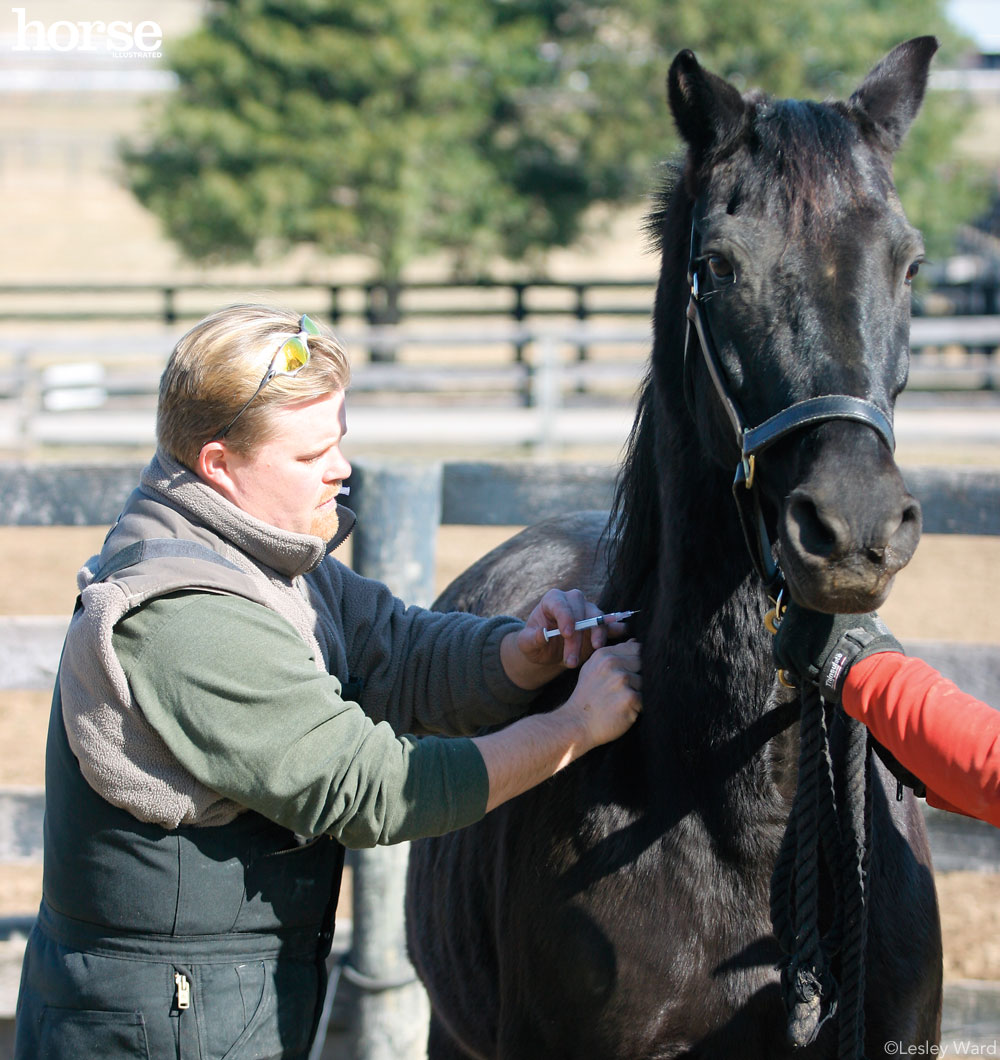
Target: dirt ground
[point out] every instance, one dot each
(949, 592)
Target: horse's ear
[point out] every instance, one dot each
(890, 96)
(706, 108)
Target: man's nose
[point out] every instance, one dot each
(339, 469)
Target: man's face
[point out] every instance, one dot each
(292, 480)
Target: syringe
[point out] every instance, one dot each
(597, 620)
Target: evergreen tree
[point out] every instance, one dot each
(483, 127)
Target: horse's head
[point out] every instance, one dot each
(801, 262)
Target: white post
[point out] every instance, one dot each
(547, 395)
(399, 509)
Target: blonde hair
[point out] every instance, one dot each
(215, 368)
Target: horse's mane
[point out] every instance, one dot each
(634, 524)
(656, 221)
(634, 527)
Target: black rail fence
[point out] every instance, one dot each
(402, 554)
(73, 346)
(380, 303)
(371, 305)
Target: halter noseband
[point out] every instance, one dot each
(754, 440)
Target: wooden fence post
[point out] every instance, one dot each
(399, 509)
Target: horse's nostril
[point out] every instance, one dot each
(912, 515)
(904, 538)
(817, 533)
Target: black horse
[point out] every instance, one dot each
(622, 909)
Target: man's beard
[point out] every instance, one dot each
(326, 523)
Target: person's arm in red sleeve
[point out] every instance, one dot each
(942, 737)
(947, 738)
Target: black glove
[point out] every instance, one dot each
(821, 649)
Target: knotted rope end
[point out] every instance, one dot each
(809, 1002)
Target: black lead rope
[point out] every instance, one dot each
(822, 976)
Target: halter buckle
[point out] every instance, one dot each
(773, 618)
(749, 462)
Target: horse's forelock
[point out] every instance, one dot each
(807, 160)
(800, 159)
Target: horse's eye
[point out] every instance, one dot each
(911, 272)
(720, 267)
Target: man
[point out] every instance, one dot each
(947, 739)
(227, 718)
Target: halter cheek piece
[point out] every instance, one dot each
(754, 440)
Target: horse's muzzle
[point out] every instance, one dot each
(843, 542)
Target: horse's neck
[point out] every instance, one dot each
(709, 719)
(707, 670)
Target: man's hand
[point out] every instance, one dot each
(606, 700)
(604, 705)
(530, 660)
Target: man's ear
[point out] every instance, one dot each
(214, 466)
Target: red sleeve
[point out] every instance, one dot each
(947, 738)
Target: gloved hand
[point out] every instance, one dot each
(821, 648)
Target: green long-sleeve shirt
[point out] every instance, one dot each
(235, 694)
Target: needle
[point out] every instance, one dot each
(597, 620)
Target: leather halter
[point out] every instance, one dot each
(754, 440)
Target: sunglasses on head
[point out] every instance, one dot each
(291, 358)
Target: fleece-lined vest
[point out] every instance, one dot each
(105, 866)
(158, 546)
